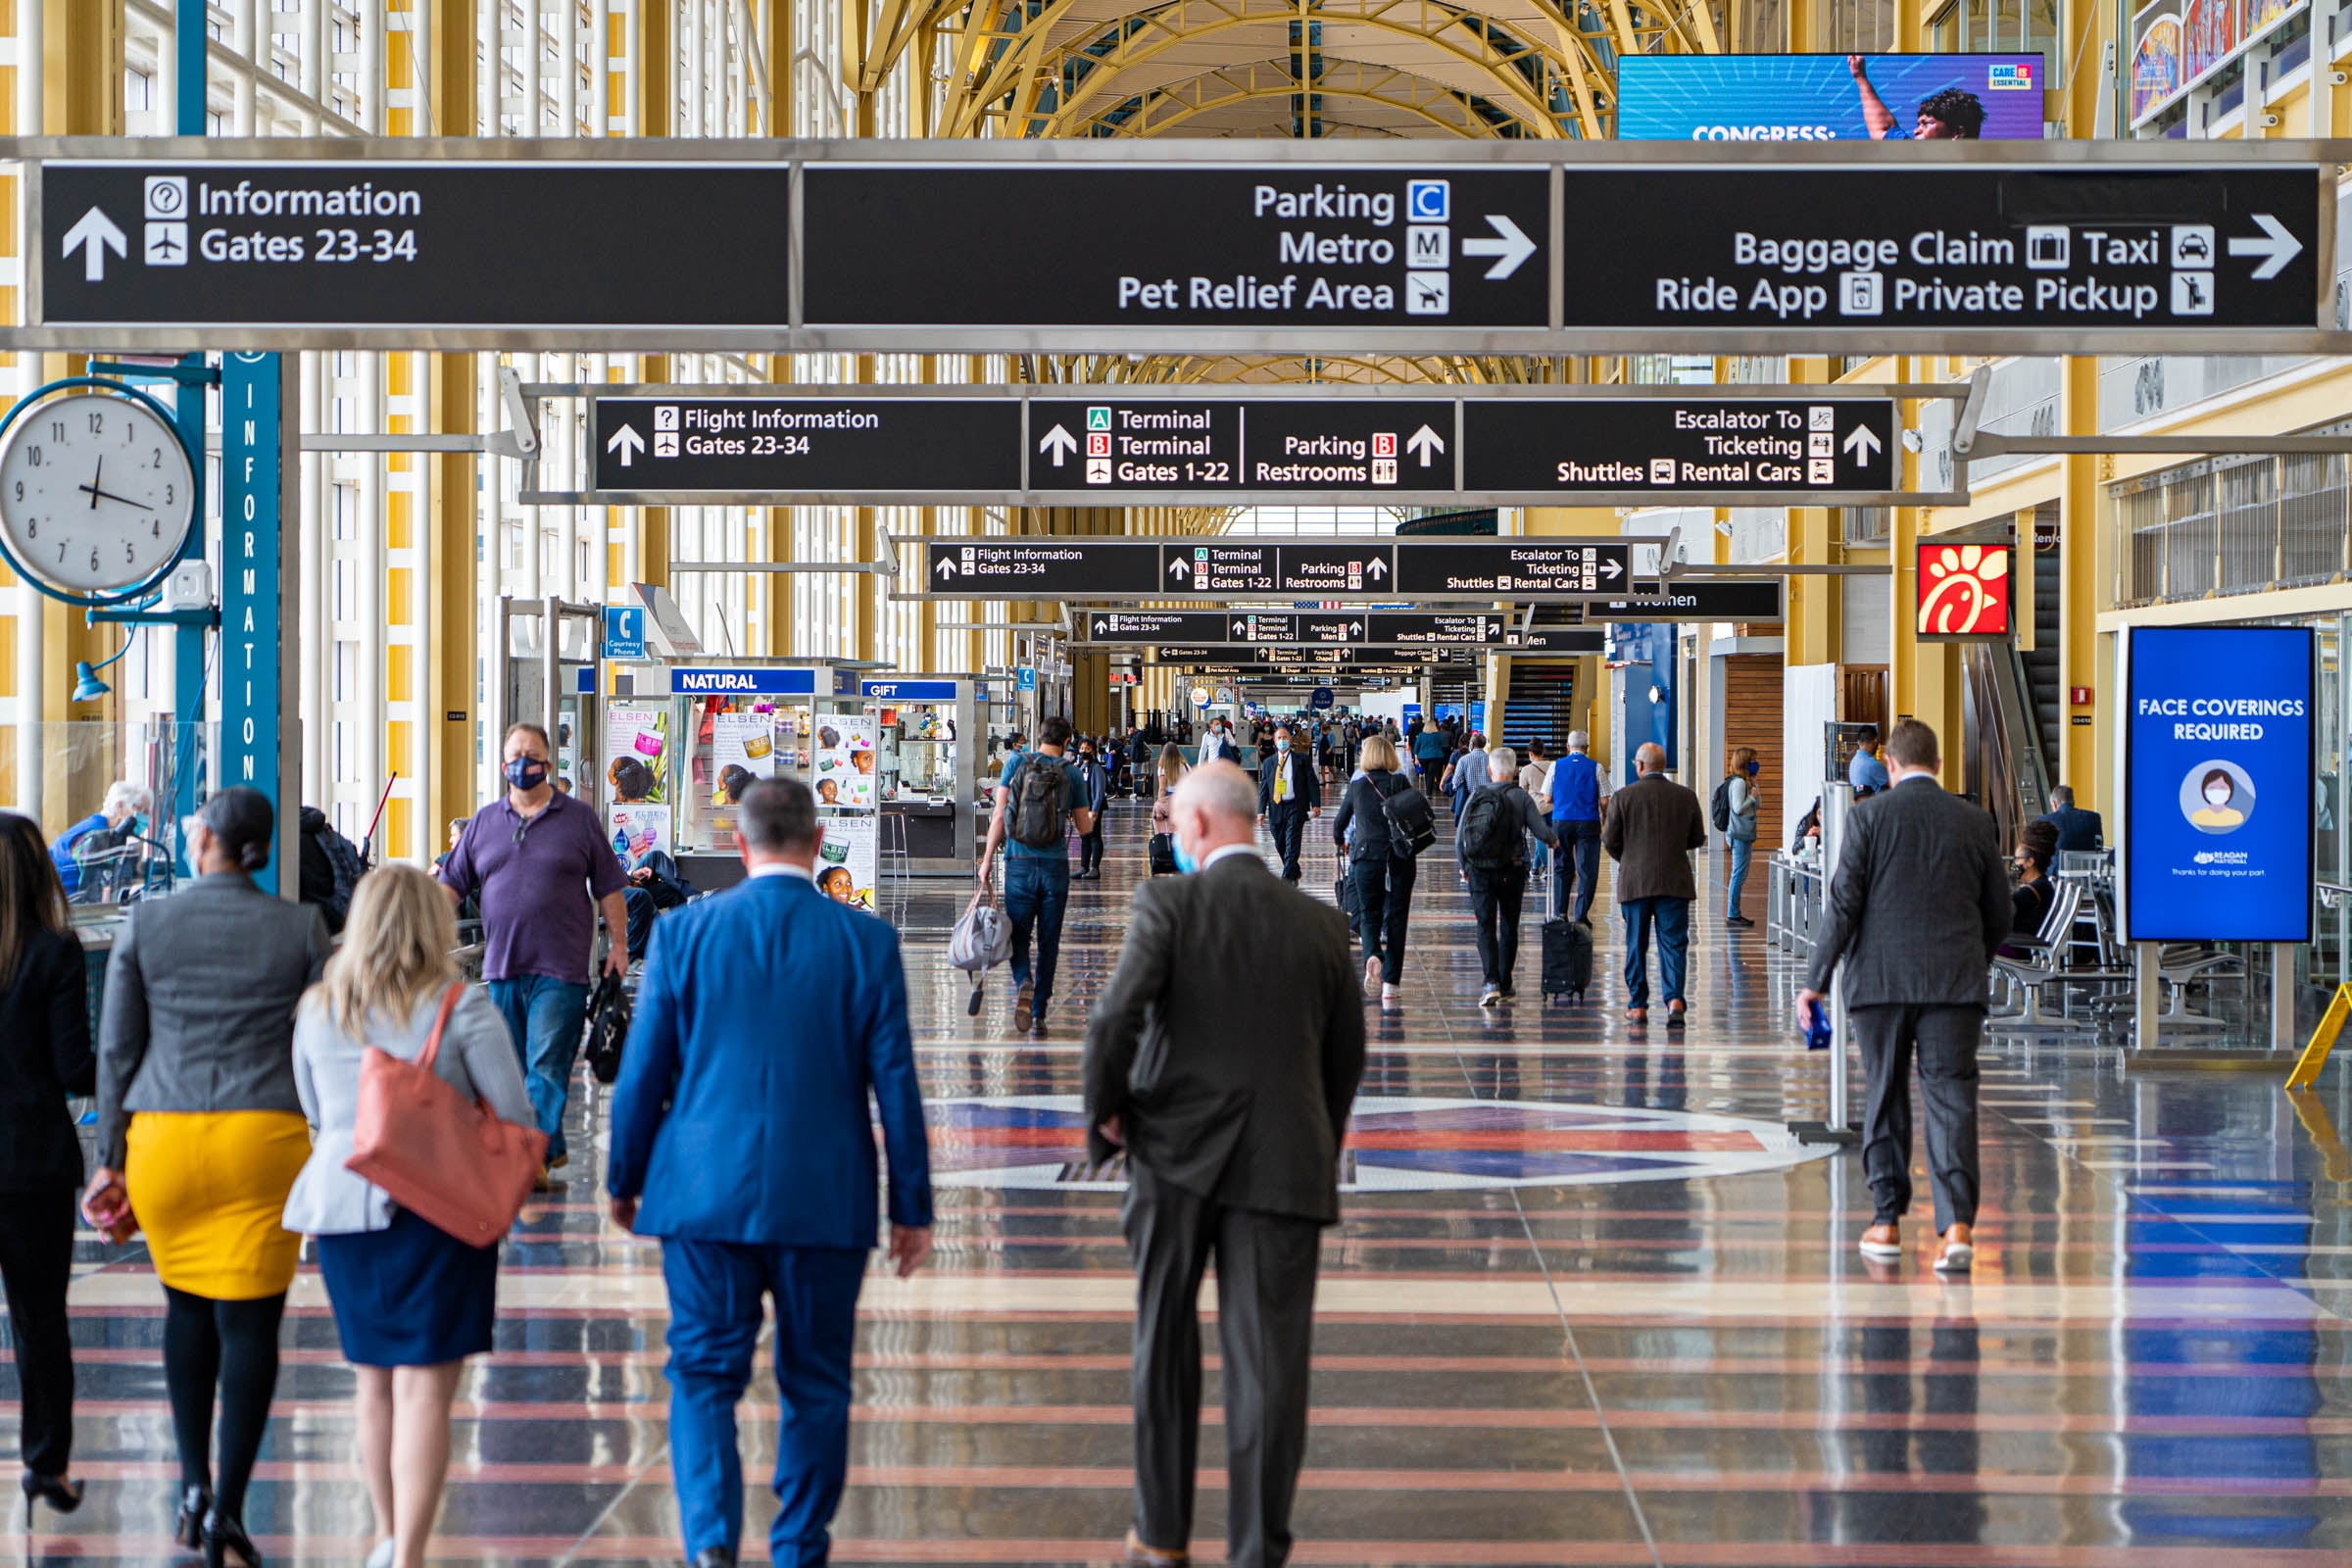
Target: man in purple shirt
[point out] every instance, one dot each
(533, 858)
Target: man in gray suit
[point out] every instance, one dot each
(1918, 904)
(1233, 1141)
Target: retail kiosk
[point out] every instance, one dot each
(933, 731)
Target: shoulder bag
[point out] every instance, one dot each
(443, 1157)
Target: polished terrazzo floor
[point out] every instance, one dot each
(1588, 1306)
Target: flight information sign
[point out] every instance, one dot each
(807, 445)
(1327, 629)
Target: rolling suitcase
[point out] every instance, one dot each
(1567, 952)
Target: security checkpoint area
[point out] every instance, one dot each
(736, 390)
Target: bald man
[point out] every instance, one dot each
(1233, 1141)
(1654, 823)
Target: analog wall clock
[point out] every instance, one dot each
(96, 496)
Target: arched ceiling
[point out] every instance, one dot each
(1288, 69)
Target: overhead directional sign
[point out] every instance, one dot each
(1971, 248)
(1331, 629)
(1177, 245)
(1000, 446)
(1229, 566)
(1271, 445)
(310, 244)
(1785, 247)
(813, 446)
(1690, 446)
(1696, 599)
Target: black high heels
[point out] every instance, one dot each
(187, 1525)
(222, 1536)
(61, 1495)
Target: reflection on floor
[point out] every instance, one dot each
(1589, 1305)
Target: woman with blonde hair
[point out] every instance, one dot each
(1383, 873)
(411, 1302)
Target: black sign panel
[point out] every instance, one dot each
(1190, 629)
(1175, 246)
(1362, 444)
(1689, 446)
(1039, 568)
(515, 246)
(1955, 247)
(1723, 599)
(1234, 566)
(1507, 566)
(1563, 640)
(807, 445)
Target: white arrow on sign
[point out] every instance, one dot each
(946, 567)
(1511, 247)
(627, 442)
(1060, 442)
(1427, 442)
(1240, 628)
(94, 235)
(1376, 569)
(1611, 570)
(2274, 244)
(1099, 625)
(1180, 567)
(1355, 628)
(1862, 444)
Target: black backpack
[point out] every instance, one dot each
(1719, 807)
(1412, 827)
(1040, 786)
(1489, 830)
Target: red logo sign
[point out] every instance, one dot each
(1963, 590)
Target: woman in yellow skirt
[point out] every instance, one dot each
(200, 1136)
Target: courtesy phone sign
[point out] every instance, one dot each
(2218, 784)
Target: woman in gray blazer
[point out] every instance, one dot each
(411, 1302)
(200, 1134)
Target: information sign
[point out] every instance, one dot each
(1696, 599)
(1122, 444)
(517, 246)
(2218, 784)
(1329, 629)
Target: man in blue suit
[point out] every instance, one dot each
(766, 1018)
(2077, 830)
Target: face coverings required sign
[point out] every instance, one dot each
(2218, 784)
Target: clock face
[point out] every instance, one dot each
(95, 492)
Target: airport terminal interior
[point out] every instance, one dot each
(848, 390)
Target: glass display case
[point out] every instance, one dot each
(929, 728)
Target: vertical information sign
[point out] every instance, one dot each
(253, 630)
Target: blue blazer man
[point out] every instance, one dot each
(742, 1136)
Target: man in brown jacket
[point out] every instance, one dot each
(1654, 826)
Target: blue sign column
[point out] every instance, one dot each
(2218, 784)
(255, 639)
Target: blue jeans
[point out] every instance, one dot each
(1671, 917)
(1580, 846)
(1037, 888)
(715, 1291)
(545, 1016)
(1741, 850)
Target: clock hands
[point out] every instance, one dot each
(95, 494)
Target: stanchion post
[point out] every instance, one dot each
(1840, 1127)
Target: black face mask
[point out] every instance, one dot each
(526, 773)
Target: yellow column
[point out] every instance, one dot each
(2079, 746)
(781, 545)
(867, 587)
(452, 497)
(1814, 604)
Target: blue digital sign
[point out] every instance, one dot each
(764, 680)
(2218, 781)
(1827, 98)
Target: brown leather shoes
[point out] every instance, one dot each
(1140, 1556)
